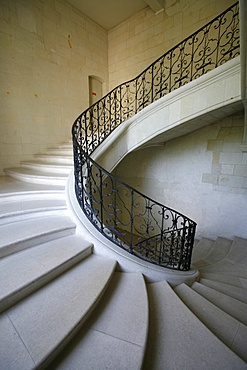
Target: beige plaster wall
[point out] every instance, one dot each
(202, 174)
(140, 40)
(47, 51)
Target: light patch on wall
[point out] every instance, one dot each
(69, 41)
(26, 18)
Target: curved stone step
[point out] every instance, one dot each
(38, 165)
(115, 336)
(32, 176)
(60, 151)
(226, 266)
(41, 325)
(238, 251)
(202, 248)
(230, 305)
(17, 236)
(220, 249)
(179, 340)
(54, 158)
(234, 292)
(24, 272)
(19, 206)
(225, 278)
(229, 330)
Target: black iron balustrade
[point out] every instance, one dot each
(133, 221)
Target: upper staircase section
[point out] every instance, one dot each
(210, 47)
(138, 224)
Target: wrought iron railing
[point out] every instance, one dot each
(131, 220)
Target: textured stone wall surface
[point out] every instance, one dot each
(47, 52)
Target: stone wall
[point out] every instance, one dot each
(202, 174)
(47, 51)
(140, 40)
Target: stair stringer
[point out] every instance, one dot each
(126, 261)
(166, 118)
(175, 114)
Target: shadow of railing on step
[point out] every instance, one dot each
(128, 218)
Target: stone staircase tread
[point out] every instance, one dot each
(37, 176)
(230, 305)
(33, 173)
(226, 266)
(202, 248)
(12, 187)
(179, 340)
(229, 330)
(219, 250)
(45, 321)
(30, 204)
(24, 272)
(40, 163)
(17, 236)
(22, 205)
(52, 156)
(234, 292)
(116, 332)
(224, 278)
(60, 151)
(238, 251)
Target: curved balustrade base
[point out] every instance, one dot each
(126, 261)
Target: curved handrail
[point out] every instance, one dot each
(125, 215)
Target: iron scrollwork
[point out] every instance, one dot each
(134, 222)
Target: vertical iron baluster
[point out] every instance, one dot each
(131, 220)
(101, 201)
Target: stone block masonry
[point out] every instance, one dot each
(229, 163)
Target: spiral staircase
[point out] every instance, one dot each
(65, 305)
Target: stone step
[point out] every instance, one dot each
(68, 145)
(225, 266)
(202, 248)
(230, 305)
(43, 166)
(220, 249)
(29, 175)
(232, 291)
(224, 278)
(36, 329)
(19, 206)
(55, 158)
(24, 272)
(238, 251)
(60, 151)
(179, 340)
(17, 236)
(229, 330)
(115, 335)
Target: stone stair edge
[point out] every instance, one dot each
(238, 293)
(181, 332)
(223, 325)
(36, 279)
(232, 306)
(38, 230)
(111, 323)
(54, 342)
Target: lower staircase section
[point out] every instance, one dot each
(49, 168)
(64, 307)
